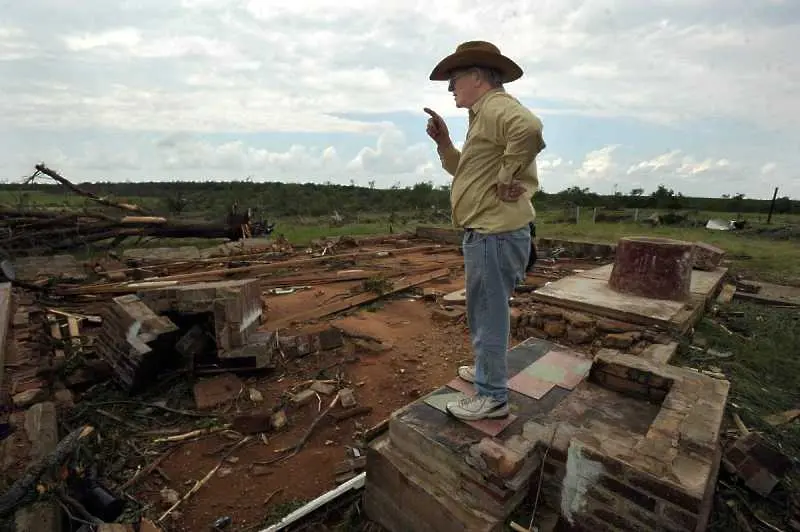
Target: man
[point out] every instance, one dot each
(494, 179)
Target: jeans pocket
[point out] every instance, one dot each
(473, 238)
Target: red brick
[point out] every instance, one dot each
(503, 462)
(679, 517)
(615, 519)
(554, 329)
(625, 386)
(635, 496)
(664, 490)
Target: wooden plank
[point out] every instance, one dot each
(252, 271)
(354, 301)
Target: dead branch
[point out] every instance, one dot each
(191, 434)
(299, 445)
(146, 470)
(42, 169)
(20, 488)
(188, 413)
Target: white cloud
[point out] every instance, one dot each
(672, 161)
(157, 67)
(598, 164)
(768, 168)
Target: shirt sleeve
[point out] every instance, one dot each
(510, 124)
(450, 157)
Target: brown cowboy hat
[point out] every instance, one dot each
(477, 53)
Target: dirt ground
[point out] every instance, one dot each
(394, 351)
(421, 355)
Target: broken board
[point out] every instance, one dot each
(588, 291)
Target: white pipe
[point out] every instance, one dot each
(325, 498)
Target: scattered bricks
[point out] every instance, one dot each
(554, 329)
(500, 460)
(209, 393)
(29, 397)
(577, 320)
(514, 316)
(347, 398)
(621, 340)
(757, 462)
(323, 387)
(580, 335)
(707, 257)
(304, 397)
(446, 315)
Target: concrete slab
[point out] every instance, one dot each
(560, 368)
(588, 291)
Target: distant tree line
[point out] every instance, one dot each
(311, 199)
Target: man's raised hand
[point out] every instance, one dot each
(437, 128)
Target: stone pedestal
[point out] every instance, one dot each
(656, 268)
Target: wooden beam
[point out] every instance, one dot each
(355, 301)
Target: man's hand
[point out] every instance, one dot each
(510, 191)
(437, 129)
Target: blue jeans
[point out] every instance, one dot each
(494, 265)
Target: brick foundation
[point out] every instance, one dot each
(663, 480)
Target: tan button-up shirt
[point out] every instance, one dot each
(502, 143)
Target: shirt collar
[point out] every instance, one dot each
(476, 107)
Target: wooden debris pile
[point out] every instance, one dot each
(37, 232)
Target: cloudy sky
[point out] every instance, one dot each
(700, 95)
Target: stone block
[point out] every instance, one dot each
(554, 328)
(347, 398)
(29, 397)
(445, 315)
(304, 397)
(580, 335)
(323, 387)
(578, 320)
(707, 257)
(621, 340)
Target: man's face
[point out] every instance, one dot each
(464, 85)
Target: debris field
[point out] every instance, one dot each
(235, 381)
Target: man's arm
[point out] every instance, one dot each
(449, 156)
(515, 127)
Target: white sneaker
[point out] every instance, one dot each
(478, 407)
(467, 373)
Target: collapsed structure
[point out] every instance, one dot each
(608, 439)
